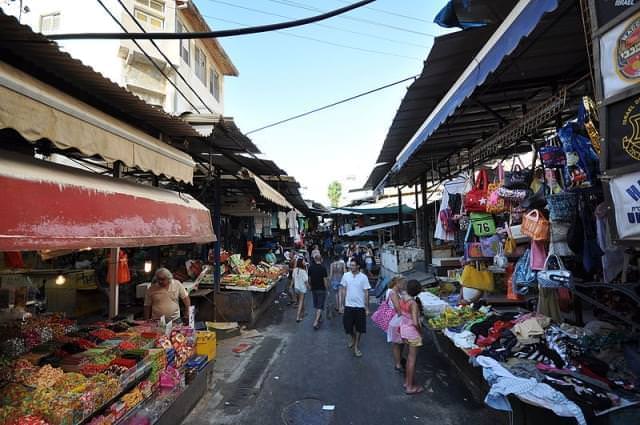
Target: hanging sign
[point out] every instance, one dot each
(623, 138)
(620, 56)
(606, 10)
(625, 193)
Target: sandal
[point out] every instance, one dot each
(416, 391)
(357, 353)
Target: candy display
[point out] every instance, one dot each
(96, 366)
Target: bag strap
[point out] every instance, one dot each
(466, 238)
(534, 213)
(500, 172)
(483, 180)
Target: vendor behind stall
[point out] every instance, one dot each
(162, 297)
(270, 257)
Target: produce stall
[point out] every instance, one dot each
(246, 289)
(54, 371)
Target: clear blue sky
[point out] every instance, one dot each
(282, 75)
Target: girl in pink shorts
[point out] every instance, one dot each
(411, 332)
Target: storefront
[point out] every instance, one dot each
(547, 245)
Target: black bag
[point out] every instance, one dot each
(536, 201)
(519, 177)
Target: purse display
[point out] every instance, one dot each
(552, 154)
(483, 224)
(476, 199)
(536, 226)
(490, 246)
(558, 239)
(523, 276)
(562, 206)
(477, 279)
(538, 255)
(495, 203)
(510, 243)
(560, 278)
(519, 177)
(500, 260)
(514, 195)
(471, 249)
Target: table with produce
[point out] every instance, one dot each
(244, 275)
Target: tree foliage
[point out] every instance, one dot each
(335, 193)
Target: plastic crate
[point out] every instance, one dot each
(206, 344)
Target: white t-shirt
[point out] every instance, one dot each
(300, 279)
(356, 285)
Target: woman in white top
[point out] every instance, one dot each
(301, 285)
(397, 287)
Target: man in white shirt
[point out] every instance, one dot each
(355, 295)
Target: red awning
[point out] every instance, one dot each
(49, 206)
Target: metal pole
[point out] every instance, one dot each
(426, 232)
(418, 232)
(400, 221)
(216, 229)
(114, 260)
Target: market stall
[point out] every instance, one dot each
(57, 371)
(535, 242)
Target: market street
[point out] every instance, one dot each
(293, 371)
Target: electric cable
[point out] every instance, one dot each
(330, 43)
(209, 34)
(149, 58)
(139, 25)
(331, 105)
(364, 34)
(230, 157)
(351, 18)
(400, 15)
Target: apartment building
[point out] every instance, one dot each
(201, 65)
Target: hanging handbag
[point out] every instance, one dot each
(523, 276)
(513, 195)
(552, 154)
(476, 199)
(535, 226)
(383, 315)
(510, 244)
(483, 224)
(490, 246)
(562, 206)
(538, 255)
(561, 278)
(500, 260)
(471, 249)
(537, 200)
(519, 177)
(558, 240)
(472, 277)
(496, 204)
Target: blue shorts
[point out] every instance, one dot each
(335, 285)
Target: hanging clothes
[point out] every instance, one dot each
(282, 220)
(274, 220)
(292, 223)
(457, 186)
(124, 275)
(613, 258)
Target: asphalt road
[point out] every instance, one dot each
(293, 371)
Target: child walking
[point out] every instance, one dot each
(411, 332)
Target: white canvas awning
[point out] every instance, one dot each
(361, 230)
(268, 192)
(39, 111)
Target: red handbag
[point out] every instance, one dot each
(476, 199)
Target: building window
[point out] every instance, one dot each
(155, 5)
(214, 83)
(49, 23)
(185, 45)
(201, 65)
(149, 20)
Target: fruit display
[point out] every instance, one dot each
(452, 317)
(245, 274)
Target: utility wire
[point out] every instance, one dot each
(388, 12)
(139, 25)
(230, 157)
(264, 12)
(331, 105)
(209, 34)
(149, 58)
(330, 43)
(351, 18)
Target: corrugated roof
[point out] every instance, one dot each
(42, 58)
